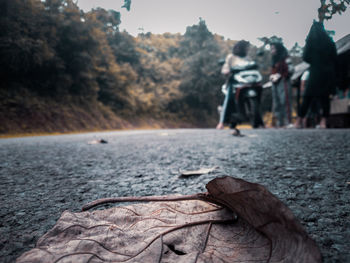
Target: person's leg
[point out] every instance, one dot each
(277, 105)
(303, 111)
(314, 111)
(273, 108)
(225, 108)
(282, 109)
(325, 105)
(288, 101)
(260, 121)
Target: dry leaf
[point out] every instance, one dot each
(198, 172)
(268, 215)
(152, 232)
(182, 231)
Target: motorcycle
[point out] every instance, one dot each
(245, 88)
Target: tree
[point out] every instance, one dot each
(108, 20)
(200, 78)
(296, 50)
(296, 53)
(269, 40)
(330, 7)
(195, 38)
(124, 48)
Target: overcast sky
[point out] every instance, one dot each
(234, 19)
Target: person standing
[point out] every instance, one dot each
(281, 87)
(320, 52)
(237, 57)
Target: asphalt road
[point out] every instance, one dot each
(41, 177)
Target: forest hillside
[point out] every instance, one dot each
(63, 70)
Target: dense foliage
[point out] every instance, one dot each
(330, 7)
(57, 61)
(53, 52)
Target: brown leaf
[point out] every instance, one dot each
(152, 232)
(268, 215)
(181, 231)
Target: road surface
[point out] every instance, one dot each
(43, 176)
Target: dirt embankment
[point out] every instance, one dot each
(23, 114)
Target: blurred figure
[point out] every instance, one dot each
(238, 57)
(313, 114)
(320, 52)
(303, 80)
(281, 87)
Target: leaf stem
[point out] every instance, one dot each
(200, 196)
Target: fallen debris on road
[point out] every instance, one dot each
(182, 229)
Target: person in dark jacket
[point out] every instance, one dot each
(320, 52)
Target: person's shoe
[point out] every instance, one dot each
(236, 132)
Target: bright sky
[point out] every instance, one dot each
(234, 19)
